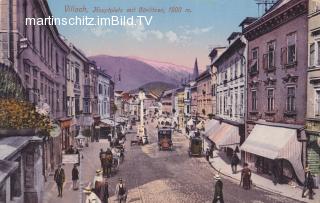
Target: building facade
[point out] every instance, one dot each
(104, 94)
(313, 90)
(75, 65)
(38, 55)
(230, 90)
(214, 54)
(277, 61)
(204, 94)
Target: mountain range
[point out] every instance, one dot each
(130, 73)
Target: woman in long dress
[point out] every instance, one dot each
(246, 177)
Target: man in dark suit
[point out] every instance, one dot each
(59, 178)
(218, 195)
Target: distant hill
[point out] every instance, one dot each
(130, 73)
(155, 87)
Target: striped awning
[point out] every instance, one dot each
(276, 143)
(225, 135)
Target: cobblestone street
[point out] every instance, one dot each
(159, 176)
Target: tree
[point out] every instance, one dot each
(19, 114)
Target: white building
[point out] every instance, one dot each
(104, 95)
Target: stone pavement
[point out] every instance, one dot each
(259, 181)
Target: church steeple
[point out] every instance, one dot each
(195, 73)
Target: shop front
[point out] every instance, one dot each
(275, 149)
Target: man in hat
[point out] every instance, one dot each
(218, 195)
(75, 177)
(59, 178)
(121, 191)
(308, 184)
(234, 162)
(90, 196)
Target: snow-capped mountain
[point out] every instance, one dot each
(132, 72)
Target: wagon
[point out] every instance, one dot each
(165, 139)
(195, 146)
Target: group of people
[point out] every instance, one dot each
(100, 191)
(245, 182)
(59, 178)
(106, 159)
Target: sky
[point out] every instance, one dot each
(177, 38)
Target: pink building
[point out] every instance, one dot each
(277, 72)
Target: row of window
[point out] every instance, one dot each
(230, 103)
(73, 71)
(288, 55)
(51, 96)
(73, 106)
(290, 100)
(104, 89)
(41, 40)
(103, 108)
(235, 70)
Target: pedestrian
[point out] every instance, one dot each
(234, 162)
(121, 191)
(102, 190)
(97, 178)
(275, 174)
(218, 194)
(207, 154)
(59, 178)
(109, 160)
(90, 196)
(246, 177)
(308, 184)
(187, 130)
(75, 177)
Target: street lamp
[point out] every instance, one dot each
(142, 96)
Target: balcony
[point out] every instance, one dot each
(290, 113)
(270, 113)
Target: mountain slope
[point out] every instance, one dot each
(131, 73)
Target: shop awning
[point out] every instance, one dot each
(210, 126)
(225, 135)
(276, 143)
(109, 122)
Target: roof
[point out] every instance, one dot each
(104, 74)
(6, 168)
(237, 44)
(233, 35)
(205, 74)
(10, 145)
(273, 13)
(248, 20)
